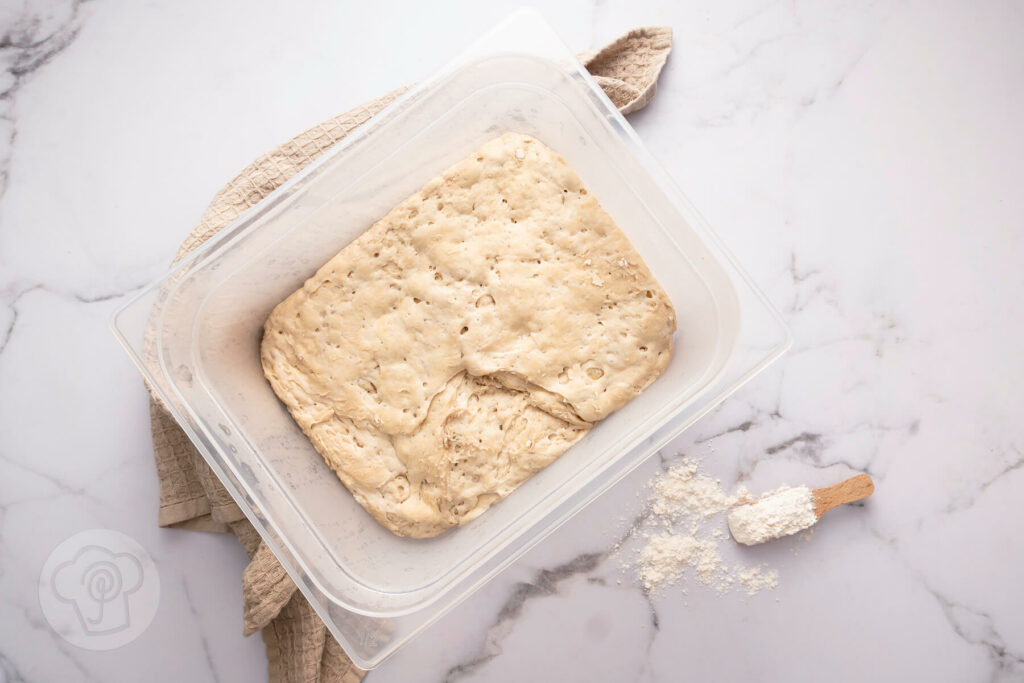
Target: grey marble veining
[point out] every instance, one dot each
(862, 161)
(32, 36)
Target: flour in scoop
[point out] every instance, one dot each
(780, 513)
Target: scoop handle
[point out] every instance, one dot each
(847, 491)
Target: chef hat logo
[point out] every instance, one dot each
(97, 583)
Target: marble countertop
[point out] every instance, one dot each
(864, 162)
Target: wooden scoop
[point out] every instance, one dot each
(789, 510)
(847, 491)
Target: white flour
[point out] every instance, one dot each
(683, 490)
(665, 556)
(681, 536)
(780, 513)
(757, 579)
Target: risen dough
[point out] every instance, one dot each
(468, 338)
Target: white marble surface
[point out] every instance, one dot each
(863, 160)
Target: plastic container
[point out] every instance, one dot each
(195, 334)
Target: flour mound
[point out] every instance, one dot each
(682, 534)
(779, 513)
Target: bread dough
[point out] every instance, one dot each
(468, 338)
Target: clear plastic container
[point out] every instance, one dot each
(195, 334)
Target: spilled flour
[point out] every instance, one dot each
(681, 537)
(683, 490)
(666, 555)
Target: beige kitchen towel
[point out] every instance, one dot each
(299, 647)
